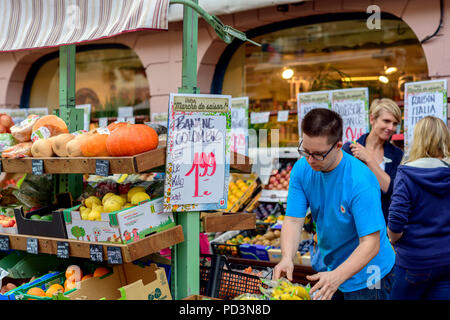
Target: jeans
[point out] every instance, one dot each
(381, 291)
(421, 284)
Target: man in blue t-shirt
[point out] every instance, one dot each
(344, 198)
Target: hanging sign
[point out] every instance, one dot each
(114, 255)
(160, 118)
(96, 252)
(423, 98)
(4, 243)
(198, 152)
(283, 116)
(32, 245)
(37, 166)
(353, 106)
(259, 117)
(239, 125)
(102, 167)
(306, 101)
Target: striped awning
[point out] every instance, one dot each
(27, 24)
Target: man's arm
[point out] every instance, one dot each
(329, 282)
(394, 236)
(290, 239)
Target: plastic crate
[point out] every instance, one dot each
(218, 280)
(44, 283)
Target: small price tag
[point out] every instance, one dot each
(62, 250)
(102, 168)
(37, 167)
(114, 255)
(32, 245)
(4, 243)
(283, 116)
(96, 252)
(103, 122)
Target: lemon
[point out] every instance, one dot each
(112, 205)
(139, 197)
(107, 196)
(91, 200)
(82, 208)
(85, 213)
(94, 215)
(133, 191)
(118, 199)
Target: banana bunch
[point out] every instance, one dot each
(283, 289)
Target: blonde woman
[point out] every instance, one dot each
(419, 216)
(376, 151)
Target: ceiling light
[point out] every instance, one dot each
(383, 79)
(390, 70)
(287, 74)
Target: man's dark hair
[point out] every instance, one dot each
(322, 122)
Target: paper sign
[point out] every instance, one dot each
(62, 250)
(353, 106)
(17, 115)
(283, 116)
(96, 252)
(198, 152)
(114, 255)
(4, 243)
(159, 118)
(423, 98)
(131, 120)
(103, 122)
(239, 125)
(38, 111)
(125, 112)
(306, 101)
(259, 117)
(32, 245)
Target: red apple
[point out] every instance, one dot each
(278, 176)
(270, 187)
(274, 172)
(272, 179)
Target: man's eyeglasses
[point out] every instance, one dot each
(318, 157)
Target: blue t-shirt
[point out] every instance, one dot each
(345, 203)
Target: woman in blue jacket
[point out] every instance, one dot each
(376, 151)
(419, 216)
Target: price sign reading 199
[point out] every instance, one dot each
(205, 162)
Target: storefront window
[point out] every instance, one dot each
(105, 78)
(323, 56)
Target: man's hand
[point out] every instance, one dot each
(284, 268)
(327, 284)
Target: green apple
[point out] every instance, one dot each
(35, 217)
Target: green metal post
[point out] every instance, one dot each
(186, 255)
(73, 117)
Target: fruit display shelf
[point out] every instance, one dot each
(81, 249)
(154, 160)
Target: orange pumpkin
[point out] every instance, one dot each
(115, 125)
(131, 139)
(54, 124)
(94, 145)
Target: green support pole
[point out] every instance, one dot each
(186, 255)
(73, 117)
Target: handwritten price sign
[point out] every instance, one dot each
(353, 107)
(198, 152)
(239, 125)
(306, 101)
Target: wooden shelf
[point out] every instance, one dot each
(154, 159)
(130, 252)
(218, 222)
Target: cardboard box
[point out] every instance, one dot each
(254, 251)
(123, 226)
(55, 228)
(126, 282)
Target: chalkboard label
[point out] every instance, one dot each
(62, 250)
(114, 255)
(96, 252)
(37, 167)
(32, 245)
(102, 168)
(4, 243)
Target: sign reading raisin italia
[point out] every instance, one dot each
(423, 98)
(198, 152)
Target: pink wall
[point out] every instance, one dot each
(160, 52)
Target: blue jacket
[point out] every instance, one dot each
(395, 155)
(420, 209)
